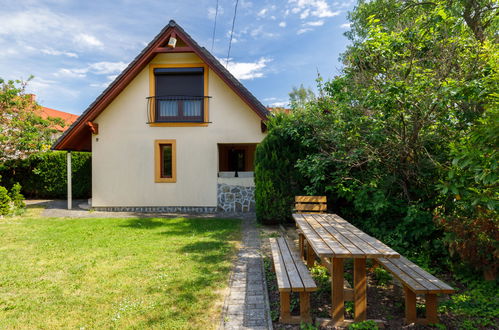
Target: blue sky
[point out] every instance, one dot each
(76, 48)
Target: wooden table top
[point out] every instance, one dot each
(331, 236)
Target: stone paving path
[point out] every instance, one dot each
(247, 305)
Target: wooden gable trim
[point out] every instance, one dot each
(73, 138)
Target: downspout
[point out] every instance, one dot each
(69, 177)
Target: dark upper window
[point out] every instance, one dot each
(179, 94)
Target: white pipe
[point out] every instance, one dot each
(70, 191)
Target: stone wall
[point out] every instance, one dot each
(235, 198)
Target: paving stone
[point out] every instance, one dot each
(246, 305)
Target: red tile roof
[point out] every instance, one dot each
(68, 118)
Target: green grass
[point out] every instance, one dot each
(114, 273)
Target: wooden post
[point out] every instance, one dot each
(410, 305)
(69, 179)
(285, 316)
(301, 242)
(360, 287)
(310, 256)
(338, 303)
(431, 308)
(305, 307)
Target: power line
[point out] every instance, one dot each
(231, 33)
(214, 28)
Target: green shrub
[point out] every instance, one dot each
(16, 196)
(43, 175)
(5, 202)
(277, 180)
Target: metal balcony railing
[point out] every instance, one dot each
(176, 108)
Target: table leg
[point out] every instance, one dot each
(310, 256)
(338, 303)
(360, 287)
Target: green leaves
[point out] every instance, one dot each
(22, 130)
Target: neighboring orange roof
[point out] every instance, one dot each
(279, 109)
(68, 118)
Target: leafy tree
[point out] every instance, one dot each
(417, 77)
(22, 130)
(300, 96)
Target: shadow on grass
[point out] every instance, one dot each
(215, 228)
(145, 223)
(210, 253)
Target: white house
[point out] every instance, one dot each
(174, 132)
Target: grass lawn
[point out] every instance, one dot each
(106, 273)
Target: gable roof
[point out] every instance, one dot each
(78, 136)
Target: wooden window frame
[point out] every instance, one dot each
(152, 93)
(158, 158)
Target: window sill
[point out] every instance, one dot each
(178, 124)
(161, 180)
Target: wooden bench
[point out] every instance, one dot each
(292, 276)
(416, 281)
(308, 204)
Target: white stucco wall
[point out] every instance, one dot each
(123, 151)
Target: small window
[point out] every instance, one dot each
(179, 94)
(165, 160)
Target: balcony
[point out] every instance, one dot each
(176, 109)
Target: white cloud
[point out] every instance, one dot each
(315, 8)
(345, 26)
(98, 68)
(87, 40)
(303, 30)
(248, 70)
(212, 12)
(262, 12)
(40, 86)
(107, 67)
(50, 51)
(245, 4)
(71, 73)
(282, 24)
(280, 104)
(260, 32)
(315, 23)
(276, 102)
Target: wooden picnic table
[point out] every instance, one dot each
(334, 239)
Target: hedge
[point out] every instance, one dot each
(277, 180)
(43, 174)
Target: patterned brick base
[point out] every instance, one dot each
(158, 209)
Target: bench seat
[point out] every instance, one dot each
(292, 276)
(416, 281)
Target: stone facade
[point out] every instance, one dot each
(235, 198)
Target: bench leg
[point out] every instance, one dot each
(301, 243)
(285, 316)
(305, 307)
(431, 308)
(410, 305)
(360, 287)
